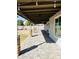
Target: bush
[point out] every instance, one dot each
(27, 23)
(20, 23)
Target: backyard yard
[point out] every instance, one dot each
(23, 35)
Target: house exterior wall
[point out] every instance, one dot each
(46, 27)
(51, 28)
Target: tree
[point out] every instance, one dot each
(20, 23)
(27, 23)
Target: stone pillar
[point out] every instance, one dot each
(29, 31)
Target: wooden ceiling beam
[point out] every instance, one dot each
(40, 6)
(35, 0)
(22, 15)
(40, 10)
(39, 3)
(25, 9)
(38, 13)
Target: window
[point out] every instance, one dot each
(58, 27)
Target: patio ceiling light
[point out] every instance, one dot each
(18, 9)
(36, 2)
(54, 4)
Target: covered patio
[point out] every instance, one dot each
(43, 45)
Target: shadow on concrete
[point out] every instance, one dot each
(47, 38)
(30, 48)
(34, 35)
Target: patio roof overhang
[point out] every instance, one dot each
(38, 11)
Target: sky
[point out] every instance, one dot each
(20, 18)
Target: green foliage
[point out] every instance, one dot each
(27, 23)
(20, 23)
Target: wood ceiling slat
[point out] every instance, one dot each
(48, 2)
(25, 3)
(40, 6)
(39, 3)
(38, 12)
(25, 9)
(41, 10)
(35, 0)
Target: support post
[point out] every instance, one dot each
(18, 44)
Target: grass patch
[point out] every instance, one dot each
(23, 35)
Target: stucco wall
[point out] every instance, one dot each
(52, 27)
(46, 27)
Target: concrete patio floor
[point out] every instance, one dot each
(40, 47)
